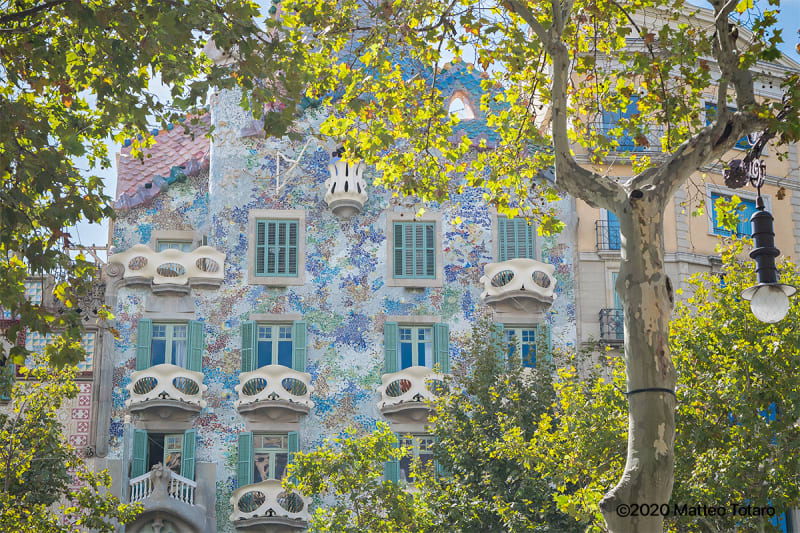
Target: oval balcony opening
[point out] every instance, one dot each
(186, 385)
(137, 263)
(171, 270)
(291, 501)
(145, 385)
(251, 501)
(398, 388)
(207, 265)
(254, 386)
(541, 279)
(503, 278)
(294, 386)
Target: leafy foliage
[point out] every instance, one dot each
(37, 465)
(737, 410)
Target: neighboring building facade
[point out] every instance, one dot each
(268, 296)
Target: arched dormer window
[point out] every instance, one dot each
(461, 105)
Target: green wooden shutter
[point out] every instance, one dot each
(441, 343)
(390, 348)
(196, 344)
(139, 462)
(516, 238)
(244, 467)
(249, 356)
(187, 457)
(261, 247)
(299, 345)
(505, 238)
(498, 346)
(294, 446)
(144, 339)
(391, 470)
(543, 343)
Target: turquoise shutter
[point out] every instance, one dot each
(390, 339)
(498, 346)
(244, 467)
(261, 247)
(391, 470)
(139, 463)
(248, 346)
(144, 339)
(196, 343)
(299, 345)
(543, 347)
(441, 343)
(187, 457)
(294, 446)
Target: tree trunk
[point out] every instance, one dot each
(647, 302)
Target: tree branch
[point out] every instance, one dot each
(19, 15)
(528, 16)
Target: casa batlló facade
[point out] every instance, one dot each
(269, 296)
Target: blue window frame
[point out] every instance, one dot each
(414, 250)
(276, 247)
(416, 346)
(743, 227)
(275, 344)
(516, 238)
(524, 340)
(614, 242)
(711, 112)
(169, 344)
(612, 118)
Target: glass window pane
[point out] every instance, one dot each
(261, 467)
(158, 350)
(264, 353)
(285, 353)
(406, 355)
(281, 459)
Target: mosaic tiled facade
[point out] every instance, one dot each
(346, 296)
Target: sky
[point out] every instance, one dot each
(89, 234)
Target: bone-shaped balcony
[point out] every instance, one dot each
(268, 504)
(405, 395)
(165, 390)
(170, 270)
(345, 190)
(519, 286)
(276, 392)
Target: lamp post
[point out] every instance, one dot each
(769, 299)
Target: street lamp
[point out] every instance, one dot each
(769, 299)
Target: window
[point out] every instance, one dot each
(168, 345)
(516, 238)
(265, 456)
(414, 250)
(612, 118)
(179, 344)
(407, 346)
(175, 451)
(274, 344)
(183, 246)
(525, 342)
(743, 228)
(36, 342)
(276, 247)
(419, 448)
(711, 113)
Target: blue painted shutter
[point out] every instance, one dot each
(744, 227)
(187, 457)
(196, 343)
(613, 231)
(391, 470)
(139, 462)
(299, 345)
(441, 343)
(617, 300)
(244, 467)
(543, 343)
(249, 346)
(144, 339)
(498, 346)
(390, 347)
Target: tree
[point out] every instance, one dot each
(551, 69)
(737, 413)
(75, 73)
(482, 479)
(37, 465)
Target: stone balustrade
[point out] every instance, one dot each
(275, 387)
(166, 383)
(267, 503)
(409, 389)
(519, 285)
(162, 482)
(345, 190)
(170, 269)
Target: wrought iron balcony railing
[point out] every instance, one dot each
(203, 266)
(612, 328)
(267, 503)
(607, 235)
(166, 382)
